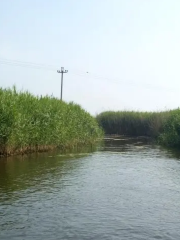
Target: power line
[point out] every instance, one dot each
(52, 67)
(27, 63)
(18, 64)
(49, 67)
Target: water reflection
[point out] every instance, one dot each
(20, 172)
(126, 144)
(127, 189)
(121, 144)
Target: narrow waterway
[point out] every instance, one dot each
(127, 189)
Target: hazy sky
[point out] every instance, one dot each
(130, 49)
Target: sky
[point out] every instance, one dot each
(120, 54)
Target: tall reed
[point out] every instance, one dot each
(31, 123)
(164, 127)
(171, 130)
(133, 123)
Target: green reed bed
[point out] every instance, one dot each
(29, 123)
(162, 126)
(171, 130)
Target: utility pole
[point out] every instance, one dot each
(62, 72)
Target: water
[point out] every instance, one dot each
(125, 190)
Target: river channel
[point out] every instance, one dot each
(124, 189)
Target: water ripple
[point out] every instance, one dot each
(126, 190)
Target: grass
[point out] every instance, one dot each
(171, 130)
(30, 123)
(161, 126)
